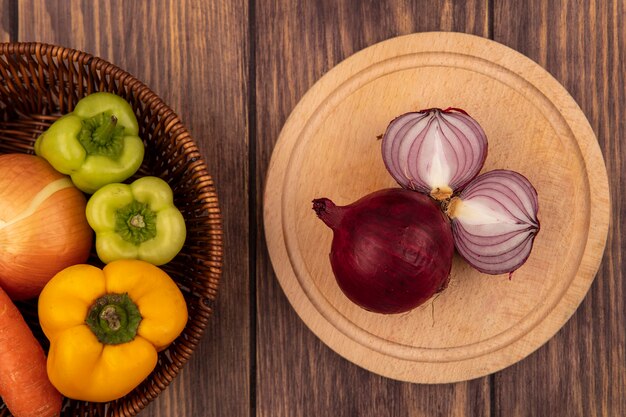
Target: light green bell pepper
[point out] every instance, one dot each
(136, 221)
(96, 144)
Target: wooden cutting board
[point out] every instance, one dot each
(329, 148)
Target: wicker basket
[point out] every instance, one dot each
(40, 82)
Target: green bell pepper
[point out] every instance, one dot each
(96, 144)
(136, 221)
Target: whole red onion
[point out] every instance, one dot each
(391, 250)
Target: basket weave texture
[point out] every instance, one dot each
(39, 83)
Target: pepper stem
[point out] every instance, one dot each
(102, 135)
(137, 221)
(114, 319)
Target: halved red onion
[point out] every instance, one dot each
(434, 151)
(494, 221)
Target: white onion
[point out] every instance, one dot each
(43, 227)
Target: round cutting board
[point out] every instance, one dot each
(329, 148)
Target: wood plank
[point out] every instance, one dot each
(6, 24)
(296, 43)
(582, 370)
(190, 55)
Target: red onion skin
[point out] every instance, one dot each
(392, 250)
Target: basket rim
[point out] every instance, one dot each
(144, 93)
(150, 99)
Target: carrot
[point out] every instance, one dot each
(24, 384)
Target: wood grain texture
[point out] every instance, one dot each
(7, 25)
(297, 375)
(194, 56)
(581, 371)
(197, 56)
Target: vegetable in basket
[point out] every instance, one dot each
(106, 326)
(96, 144)
(24, 384)
(136, 221)
(42, 225)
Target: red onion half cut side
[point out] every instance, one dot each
(494, 221)
(436, 152)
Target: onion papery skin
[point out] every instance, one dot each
(43, 227)
(494, 221)
(436, 152)
(391, 251)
